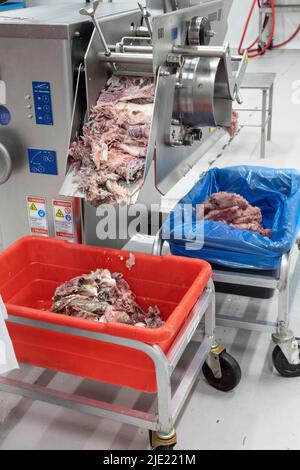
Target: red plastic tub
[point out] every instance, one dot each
(32, 268)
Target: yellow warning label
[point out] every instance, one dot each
(33, 207)
(59, 213)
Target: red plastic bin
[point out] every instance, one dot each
(33, 267)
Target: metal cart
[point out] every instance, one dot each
(211, 356)
(265, 83)
(285, 355)
(264, 10)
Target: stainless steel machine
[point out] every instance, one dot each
(40, 51)
(50, 74)
(197, 79)
(52, 68)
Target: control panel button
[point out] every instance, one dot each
(5, 116)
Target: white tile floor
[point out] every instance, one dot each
(262, 413)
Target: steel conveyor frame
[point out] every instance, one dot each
(281, 334)
(168, 406)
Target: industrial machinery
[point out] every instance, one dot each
(53, 66)
(40, 51)
(197, 80)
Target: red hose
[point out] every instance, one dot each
(250, 48)
(288, 40)
(256, 52)
(241, 51)
(269, 42)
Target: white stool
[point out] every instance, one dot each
(265, 83)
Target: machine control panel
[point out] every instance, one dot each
(42, 161)
(42, 103)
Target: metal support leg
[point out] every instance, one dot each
(158, 244)
(210, 318)
(260, 27)
(270, 112)
(164, 398)
(213, 360)
(284, 337)
(263, 124)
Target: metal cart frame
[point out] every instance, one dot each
(281, 334)
(168, 406)
(280, 8)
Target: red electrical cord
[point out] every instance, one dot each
(257, 53)
(288, 40)
(250, 48)
(241, 51)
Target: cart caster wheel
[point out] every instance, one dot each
(231, 373)
(165, 447)
(158, 442)
(283, 366)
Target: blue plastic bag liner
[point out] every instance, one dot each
(275, 191)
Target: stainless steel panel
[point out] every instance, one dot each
(170, 29)
(43, 43)
(173, 162)
(21, 62)
(113, 29)
(60, 21)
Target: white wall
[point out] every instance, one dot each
(285, 24)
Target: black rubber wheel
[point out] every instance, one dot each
(165, 447)
(283, 366)
(231, 373)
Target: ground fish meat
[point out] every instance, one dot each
(223, 200)
(104, 297)
(234, 210)
(224, 215)
(110, 155)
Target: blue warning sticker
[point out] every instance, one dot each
(42, 161)
(174, 33)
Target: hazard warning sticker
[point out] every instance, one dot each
(37, 216)
(63, 220)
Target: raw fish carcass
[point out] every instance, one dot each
(104, 297)
(111, 153)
